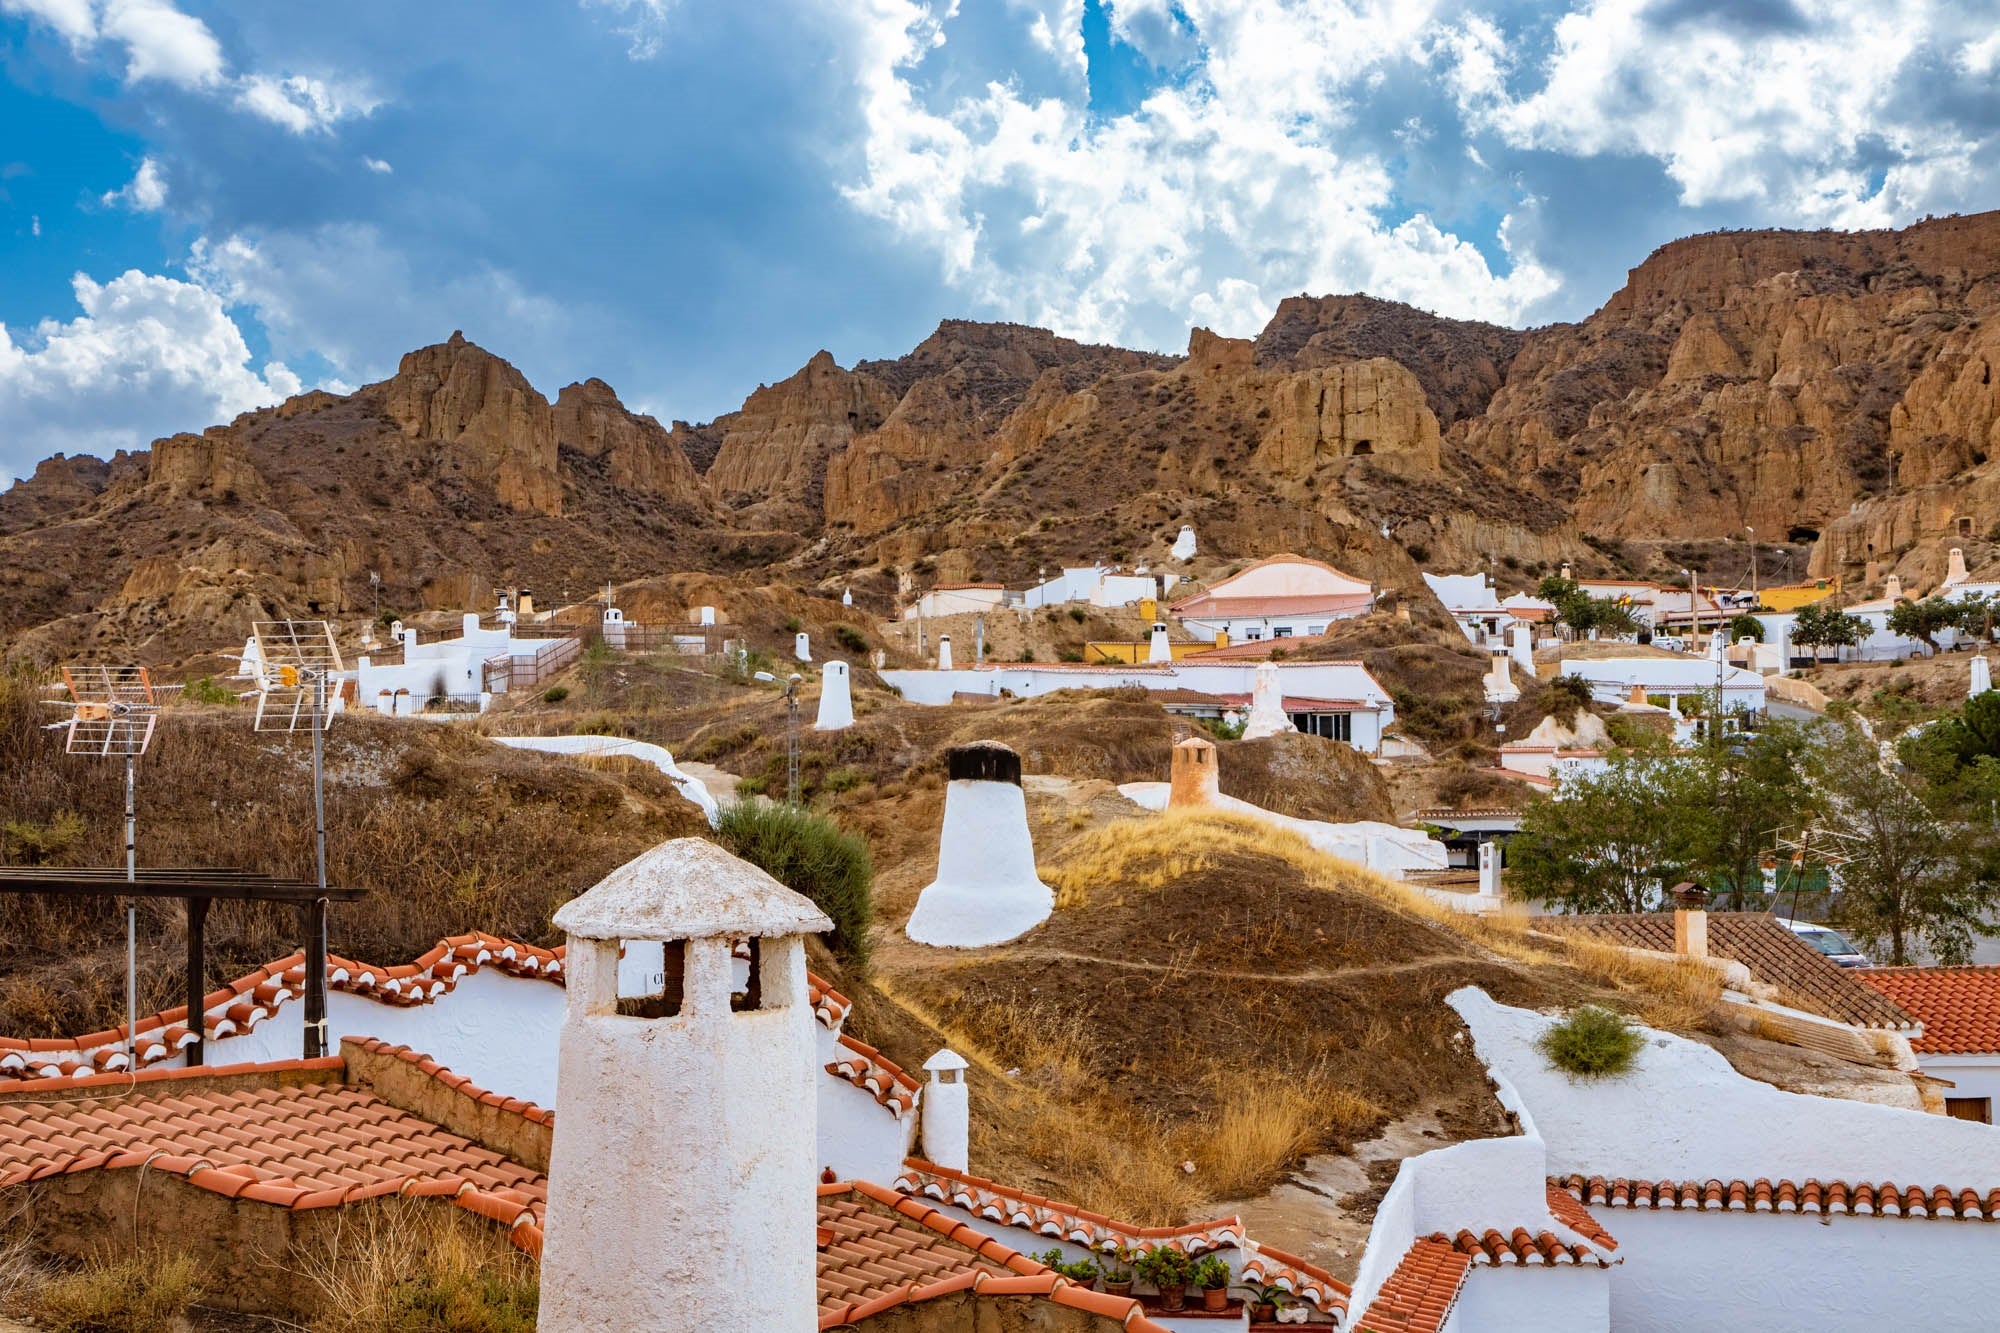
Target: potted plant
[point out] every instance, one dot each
(1083, 1272)
(1118, 1272)
(1212, 1276)
(1169, 1270)
(1265, 1301)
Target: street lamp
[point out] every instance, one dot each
(791, 731)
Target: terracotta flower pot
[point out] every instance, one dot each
(1263, 1314)
(1215, 1298)
(1118, 1288)
(1173, 1298)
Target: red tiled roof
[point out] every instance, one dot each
(879, 1249)
(1568, 1210)
(1774, 955)
(1824, 1197)
(242, 1004)
(1520, 1246)
(1291, 703)
(316, 1145)
(1419, 1295)
(1958, 1006)
(875, 1073)
(1063, 1221)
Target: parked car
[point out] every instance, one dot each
(1829, 942)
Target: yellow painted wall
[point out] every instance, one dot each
(1104, 653)
(1793, 596)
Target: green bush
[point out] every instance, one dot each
(841, 779)
(1593, 1042)
(850, 638)
(555, 694)
(812, 855)
(1078, 614)
(1083, 1271)
(204, 690)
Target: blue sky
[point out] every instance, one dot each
(207, 206)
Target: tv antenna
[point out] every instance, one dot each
(1827, 846)
(113, 711)
(294, 663)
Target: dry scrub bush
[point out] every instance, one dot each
(149, 1291)
(1267, 1124)
(1669, 993)
(413, 1267)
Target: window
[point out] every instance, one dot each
(1331, 726)
(1315, 629)
(662, 995)
(1964, 525)
(1252, 635)
(1281, 632)
(1970, 1108)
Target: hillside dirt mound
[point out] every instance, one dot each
(446, 830)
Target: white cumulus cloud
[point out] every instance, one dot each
(149, 355)
(146, 192)
(1809, 117)
(163, 43)
(1233, 184)
(378, 166)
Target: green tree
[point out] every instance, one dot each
(1746, 627)
(1976, 616)
(1921, 871)
(1951, 744)
(1923, 620)
(1613, 839)
(1580, 612)
(1823, 625)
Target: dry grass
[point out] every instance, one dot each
(416, 1268)
(109, 1292)
(1672, 994)
(1269, 1121)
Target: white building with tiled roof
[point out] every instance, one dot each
(1281, 597)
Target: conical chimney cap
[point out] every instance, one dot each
(688, 889)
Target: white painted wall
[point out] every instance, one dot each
(1387, 849)
(1612, 679)
(1787, 1273)
(1975, 1075)
(1562, 1299)
(1684, 1113)
(1309, 680)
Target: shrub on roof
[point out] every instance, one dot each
(812, 855)
(1593, 1042)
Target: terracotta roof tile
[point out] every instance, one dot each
(318, 1145)
(1958, 1006)
(1822, 1197)
(876, 1074)
(1773, 954)
(240, 1006)
(1419, 1295)
(1569, 1211)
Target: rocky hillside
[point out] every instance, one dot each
(1833, 390)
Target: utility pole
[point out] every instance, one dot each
(1753, 562)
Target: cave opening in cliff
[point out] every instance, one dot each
(1363, 448)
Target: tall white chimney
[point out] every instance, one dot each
(836, 699)
(947, 1112)
(1489, 869)
(1521, 647)
(986, 890)
(944, 652)
(1982, 677)
(1157, 649)
(680, 1182)
(1267, 705)
(802, 647)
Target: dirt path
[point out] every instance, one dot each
(1136, 965)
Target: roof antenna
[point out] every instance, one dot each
(112, 715)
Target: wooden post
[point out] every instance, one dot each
(197, 918)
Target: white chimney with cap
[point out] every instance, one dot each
(802, 647)
(944, 652)
(1157, 649)
(680, 1178)
(986, 890)
(947, 1112)
(836, 699)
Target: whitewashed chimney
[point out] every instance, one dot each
(986, 890)
(1955, 567)
(680, 1180)
(847, 597)
(1521, 647)
(802, 647)
(836, 699)
(1892, 587)
(1184, 547)
(1982, 677)
(944, 652)
(1157, 650)
(1267, 705)
(947, 1112)
(1489, 869)
(705, 615)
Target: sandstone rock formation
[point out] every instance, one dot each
(1361, 409)
(637, 453)
(457, 393)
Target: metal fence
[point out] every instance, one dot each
(506, 673)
